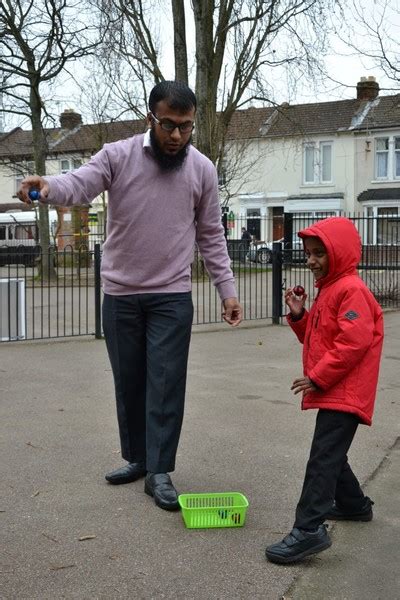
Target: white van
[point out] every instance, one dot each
(19, 236)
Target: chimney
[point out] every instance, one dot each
(69, 119)
(367, 88)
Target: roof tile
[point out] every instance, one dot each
(268, 122)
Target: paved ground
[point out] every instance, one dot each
(243, 430)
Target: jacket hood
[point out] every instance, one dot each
(342, 242)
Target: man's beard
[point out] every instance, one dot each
(168, 162)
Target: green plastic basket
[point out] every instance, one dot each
(203, 511)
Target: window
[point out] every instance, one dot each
(25, 232)
(318, 162)
(22, 170)
(397, 157)
(70, 164)
(222, 176)
(382, 158)
(326, 157)
(302, 220)
(387, 158)
(309, 164)
(383, 226)
(388, 225)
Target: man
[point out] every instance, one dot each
(246, 235)
(246, 239)
(162, 198)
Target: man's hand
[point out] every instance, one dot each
(33, 182)
(303, 384)
(232, 311)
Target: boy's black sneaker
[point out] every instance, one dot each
(341, 514)
(298, 544)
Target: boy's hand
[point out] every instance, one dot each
(303, 384)
(295, 303)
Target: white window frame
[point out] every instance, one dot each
(380, 152)
(318, 162)
(372, 211)
(321, 148)
(307, 147)
(391, 153)
(396, 152)
(73, 164)
(23, 170)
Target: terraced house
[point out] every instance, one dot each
(320, 159)
(313, 159)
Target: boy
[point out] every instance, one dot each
(342, 338)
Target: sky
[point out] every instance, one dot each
(344, 66)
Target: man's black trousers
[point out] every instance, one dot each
(147, 338)
(328, 475)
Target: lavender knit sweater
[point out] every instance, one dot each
(154, 218)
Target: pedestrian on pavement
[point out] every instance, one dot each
(245, 245)
(246, 235)
(342, 338)
(162, 199)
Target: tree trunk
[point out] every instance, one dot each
(46, 266)
(206, 91)
(180, 51)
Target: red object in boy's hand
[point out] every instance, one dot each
(298, 290)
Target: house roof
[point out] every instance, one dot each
(269, 122)
(317, 118)
(379, 194)
(82, 139)
(310, 119)
(245, 124)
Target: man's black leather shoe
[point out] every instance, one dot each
(341, 514)
(298, 544)
(126, 474)
(159, 485)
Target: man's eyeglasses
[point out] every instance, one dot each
(170, 126)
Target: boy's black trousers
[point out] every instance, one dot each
(148, 337)
(328, 475)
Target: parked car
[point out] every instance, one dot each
(261, 252)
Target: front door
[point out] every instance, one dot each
(277, 223)
(254, 222)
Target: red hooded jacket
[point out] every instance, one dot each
(342, 335)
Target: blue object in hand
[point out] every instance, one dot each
(34, 195)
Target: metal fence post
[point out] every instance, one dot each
(97, 291)
(276, 282)
(224, 219)
(288, 236)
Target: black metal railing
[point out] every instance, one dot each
(58, 293)
(57, 301)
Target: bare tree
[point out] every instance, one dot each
(98, 100)
(237, 47)
(372, 32)
(38, 39)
